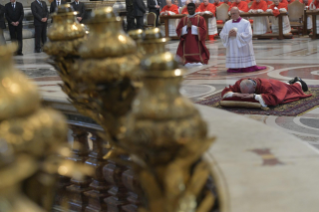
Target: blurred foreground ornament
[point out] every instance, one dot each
(38, 135)
(167, 137)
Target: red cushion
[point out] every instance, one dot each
(219, 22)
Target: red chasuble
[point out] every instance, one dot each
(209, 7)
(217, 5)
(172, 8)
(242, 6)
(262, 5)
(192, 48)
(280, 5)
(273, 92)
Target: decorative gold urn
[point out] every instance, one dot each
(167, 136)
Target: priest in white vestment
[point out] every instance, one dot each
(236, 36)
(261, 24)
(275, 9)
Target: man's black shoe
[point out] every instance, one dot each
(304, 85)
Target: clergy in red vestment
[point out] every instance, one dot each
(275, 9)
(268, 92)
(210, 9)
(169, 9)
(260, 24)
(241, 5)
(192, 32)
(307, 3)
(217, 3)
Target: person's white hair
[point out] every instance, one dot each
(247, 86)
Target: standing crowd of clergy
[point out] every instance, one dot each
(13, 12)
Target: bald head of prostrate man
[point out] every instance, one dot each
(234, 12)
(247, 86)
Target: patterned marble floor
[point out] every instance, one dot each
(285, 60)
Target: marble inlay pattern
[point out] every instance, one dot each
(284, 60)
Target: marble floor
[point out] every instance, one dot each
(285, 59)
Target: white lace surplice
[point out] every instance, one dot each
(240, 52)
(212, 25)
(260, 24)
(285, 22)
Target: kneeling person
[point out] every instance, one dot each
(192, 32)
(236, 36)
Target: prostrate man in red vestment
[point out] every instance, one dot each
(209, 8)
(170, 9)
(192, 32)
(260, 24)
(241, 5)
(275, 9)
(268, 92)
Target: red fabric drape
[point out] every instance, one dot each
(273, 92)
(192, 48)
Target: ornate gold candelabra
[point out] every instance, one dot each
(32, 142)
(163, 134)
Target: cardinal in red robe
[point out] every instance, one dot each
(242, 6)
(209, 7)
(192, 31)
(268, 92)
(169, 9)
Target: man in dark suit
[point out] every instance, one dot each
(80, 8)
(139, 11)
(2, 25)
(14, 14)
(154, 6)
(41, 14)
(54, 5)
